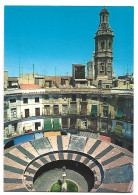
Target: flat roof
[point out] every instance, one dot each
(78, 65)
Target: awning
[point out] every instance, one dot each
(56, 124)
(94, 110)
(47, 124)
(119, 114)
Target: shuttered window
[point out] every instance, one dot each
(25, 100)
(73, 122)
(84, 123)
(26, 113)
(47, 110)
(56, 109)
(47, 124)
(37, 99)
(94, 110)
(105, 111)
(73, 108)
(104, 124)
(64, 109)
(118, 130)
(12, 100)
(119, 114)
(83, 109)
(64, 123)
(93, 124)
(37, 111)
(56, 124)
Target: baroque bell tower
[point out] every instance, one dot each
(104, 48)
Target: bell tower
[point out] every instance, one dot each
(104, 47)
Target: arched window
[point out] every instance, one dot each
(110, 45)
(102, 45)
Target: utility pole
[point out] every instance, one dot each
(55, 74)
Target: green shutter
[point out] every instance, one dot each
(47, 125)
(119, 114)
(56, 124)
(118, 130)
(94, 110)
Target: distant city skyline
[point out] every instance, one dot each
(55, 37)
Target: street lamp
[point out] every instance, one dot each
(64, 184)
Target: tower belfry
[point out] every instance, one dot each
(104, 48)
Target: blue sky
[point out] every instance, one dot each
(54, 37)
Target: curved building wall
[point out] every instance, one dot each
(103, 112)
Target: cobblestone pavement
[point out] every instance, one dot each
(44, 182)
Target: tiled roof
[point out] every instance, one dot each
(29, 86)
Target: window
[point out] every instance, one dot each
(64, 123)
(109, 67)
(102, 45)
(55, 96)
(26, 113)
(74, 98)
(94, 110)
(47, 109)
(84, 97)
(107, 86)
(56, 109)
(46, 97)
(37, 99)
(94, 98)
(12, 100)
(37, 111)
(105, 111)
(64, 109)
(82, 82)
(101, 67)
(25, 100)
(83, 109)
(13, 113)
(37, 125)
(110, 45)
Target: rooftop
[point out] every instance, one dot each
(78, 65)
(29, 86)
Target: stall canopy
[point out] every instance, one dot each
(47, 124)
(56, 124)
(51, 133)
(94, 110)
